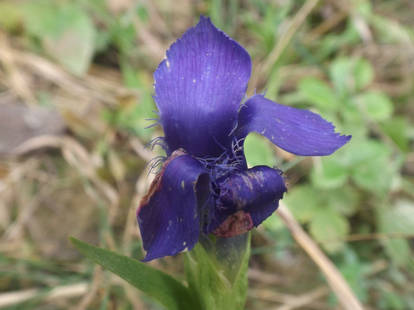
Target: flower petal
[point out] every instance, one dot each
(246, 199)
(198, 89)
(168, 216)
(297, 131)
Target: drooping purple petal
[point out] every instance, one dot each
(198, 89)
(297, 131)
(168, 216)
(246, 199)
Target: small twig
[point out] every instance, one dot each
(326, 25)
(372, 236)
(289, 301)
(76, 155)
(338, 284)
(305, 299)
(284, 41)
(88, 298)
(67, 291)
(16, 79)
(264, 277)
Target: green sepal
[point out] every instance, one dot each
(216, 271)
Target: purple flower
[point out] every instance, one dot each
(205, 186)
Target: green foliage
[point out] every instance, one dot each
(398, 219)
(157, 284)
(318, 93)
(375, 104)
(398, 130)
(325, 211)
(329, 173)
(258, 151)
(66, 32)
(354, 271)
(217, 272)
(330, 227)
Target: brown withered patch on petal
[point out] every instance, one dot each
(156, 183)
(236, 224)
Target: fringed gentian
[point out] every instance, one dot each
(205, 186)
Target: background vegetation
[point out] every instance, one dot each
(75, 93)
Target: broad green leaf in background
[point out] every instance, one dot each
(329, 173)
(363, 73)
(258, 151)
(303, 201)
(66, 32)
(370, 165)
(350, 74)
(343, 200)
(155, 283)
(360, 151)
(318, 93)
(398, 218)
(330, 228)
(397, 129)
(376, 104)
(391, 31)
(341, 75)
(354, 122)
(325, 212)
(375, 175)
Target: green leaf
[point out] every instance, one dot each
(329, 173)
(330, 228)
(375, 176)
(398, 219)
(390, 30)
(397, 129)
(258, 151)
(216, 270)
(350, 74)
(155, 283)
(370, 166)
(360, 151)
(318, 93)
(67, 33)
(340, 74)
(304, 202)
(364, 73)
(343, 200)
(376, 104)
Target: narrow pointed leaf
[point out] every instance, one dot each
(155, 283)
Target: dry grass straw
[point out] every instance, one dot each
(339, 286)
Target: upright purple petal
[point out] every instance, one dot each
(297, 131)
(198, 89)
(246, 199)
(168, 216)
